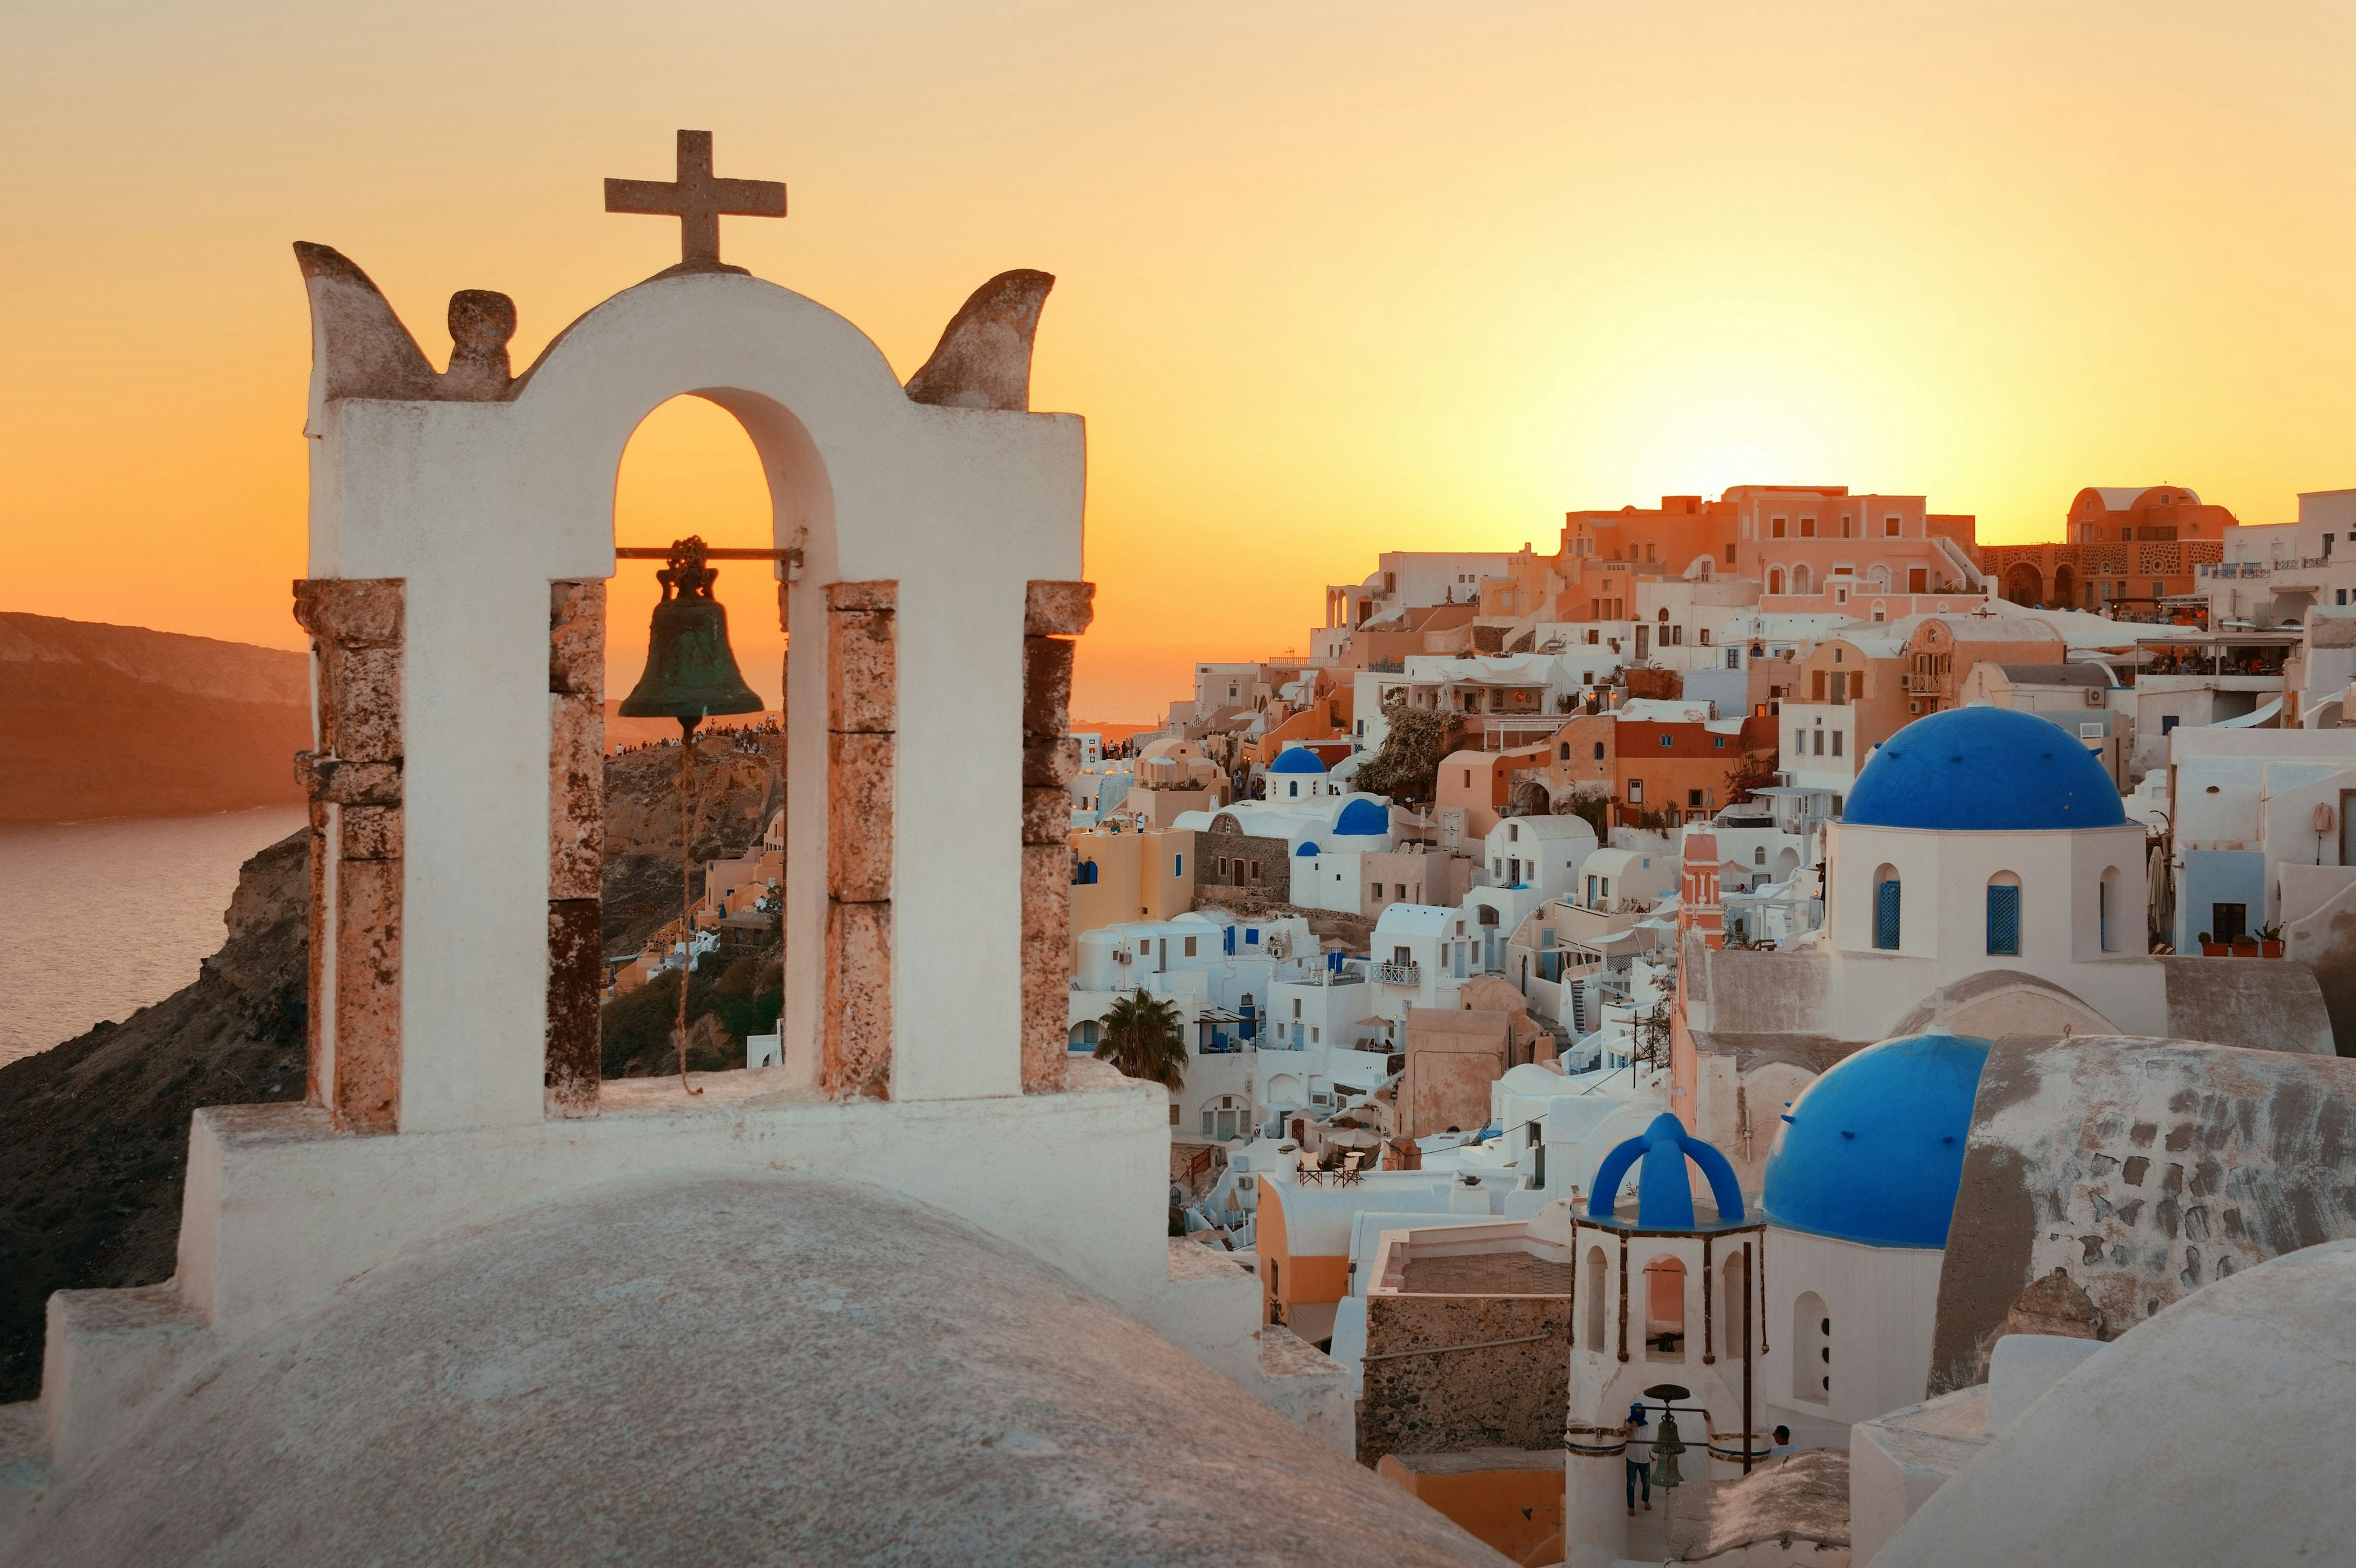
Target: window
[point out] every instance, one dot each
(2106, 896)
(1178, 868)
(1599, 751)
(1807, 527)
(1886, 930)
(1701, 636)
(1693, 798)
(1718, 742)
(1816, 686)
(1776, 579)
(2168, 721)
(2004, 914)
(1812, 1348)
(2229, 922)
(1665, 742)
(1775, 529)
(1759, 854)
(1730, 555)
(1190, 946)
(1836, 742)
(1890, 527)
(1664, 1310)
(1598, 1275)
(1566, 751)
(1819, 734)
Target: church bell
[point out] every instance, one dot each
(1665, 1449)
(691, 670)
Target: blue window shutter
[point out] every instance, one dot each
(2004, 920)
(1885, 915)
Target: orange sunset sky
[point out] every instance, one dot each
(1332, 278)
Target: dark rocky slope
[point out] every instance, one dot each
(94, 1132)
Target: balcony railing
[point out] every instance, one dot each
(1399, 974)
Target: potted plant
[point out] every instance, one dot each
(2245, 947)
(2270, 941)
(2210, 947)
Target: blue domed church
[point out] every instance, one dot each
(1984, 879)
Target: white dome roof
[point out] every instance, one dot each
(2210, 1433)
(742, 1370)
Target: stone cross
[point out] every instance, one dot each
(698, 200)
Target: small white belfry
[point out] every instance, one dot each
(1645, 1282)
(927, 540)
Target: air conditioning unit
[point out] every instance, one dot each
(1120, 955)
(2096, 697)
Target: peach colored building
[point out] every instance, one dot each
(1655, 760)
(1122, 876)
(1942, 650)
(1811, 548)
(2131, 546)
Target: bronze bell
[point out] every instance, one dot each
(1665, 1449)
(691, 670)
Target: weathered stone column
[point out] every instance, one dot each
(863, 709)
(354, 782)
(1053, 613)
(576, 843)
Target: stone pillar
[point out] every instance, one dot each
(1053, 613)
(862, 715)
(576, 844)
(356, 628)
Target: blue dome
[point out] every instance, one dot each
(1363, 817)
(1873, 1151)
(1308, 847)
(1297, 760)
(1981, 770)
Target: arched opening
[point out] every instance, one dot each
(1812, 1348)
(1665, 1309)
(1737, 1307)
(1226, 1118)
(2024, 584)
(1803, 581)
(1599, 1279)
(2065, 587)
(1774, 579)
(691, 468)
(2108, 910)
(1877, 578)
(1085, 1034)
(1886, 927)
(2004, 914)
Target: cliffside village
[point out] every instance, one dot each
(1798, 819)
(1771, 1034)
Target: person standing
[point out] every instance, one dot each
(1640, 1470)
(1782, 1448)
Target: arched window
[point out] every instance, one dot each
(2004, 914)
(1759, 854)
(1488, 915)
(2107, 910)
(1812, 1348)
(1738, 1309)
(1886, 927)
(1776, 579)
(1599, 751)
(1598, 1277)
(1664, 1310)
(1802, 581)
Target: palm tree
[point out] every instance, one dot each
(1142, 1038)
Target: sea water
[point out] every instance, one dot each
(100, 918)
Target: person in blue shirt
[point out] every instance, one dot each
(1640, 1469)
